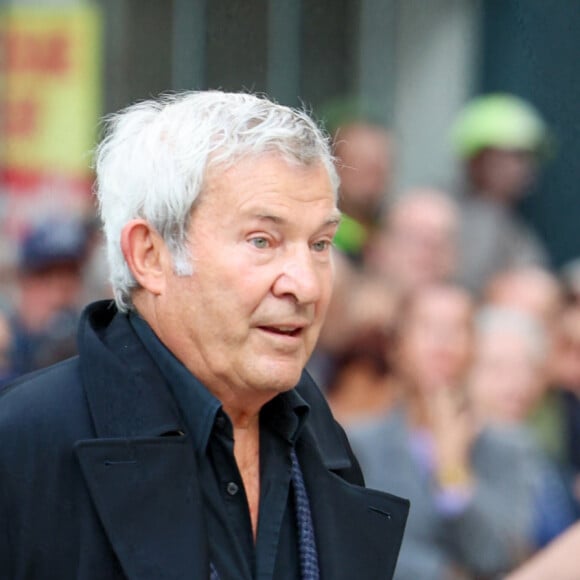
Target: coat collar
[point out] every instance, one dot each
(127, 395)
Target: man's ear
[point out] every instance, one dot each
(146, 255)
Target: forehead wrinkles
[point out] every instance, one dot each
(272, 178)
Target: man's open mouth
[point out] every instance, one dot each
(282, 330)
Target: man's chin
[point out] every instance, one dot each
(280, 381)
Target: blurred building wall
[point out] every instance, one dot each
(436, 57)
(532, 48)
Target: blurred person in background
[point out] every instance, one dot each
(554, 414)
(566, 366)
(566, 369)
(417, 244)
(531, 289)
(507, 383)
(500, 140)
(364, 152)
(50, 289)
(468, 487)
(509, 374)
(566, 380)
(537, 293)
(360, 387)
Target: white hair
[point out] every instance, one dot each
(155, 155)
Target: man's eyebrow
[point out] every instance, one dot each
(270, 218)
(332, 220)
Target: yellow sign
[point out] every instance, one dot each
(49, 109)
(50, 98)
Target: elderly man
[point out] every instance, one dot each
(185, 441)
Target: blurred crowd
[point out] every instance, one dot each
(451, 351)
(59, 267)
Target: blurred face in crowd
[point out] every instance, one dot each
(435, 338)
(365, 166)
(507, 377)
(248, 318)
(531, 290)
(360, 304)
(373, 306)
(45, 292)
(418, 244)
(566, 367)
(503, 174)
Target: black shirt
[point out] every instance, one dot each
(227, 516)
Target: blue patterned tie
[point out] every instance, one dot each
(306, 541)
(213, 575)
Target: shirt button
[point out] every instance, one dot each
(232, 488)
(220, 421)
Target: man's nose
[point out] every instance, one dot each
(299, 277)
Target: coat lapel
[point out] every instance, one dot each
(140, 470)
(358, 531)
(148, 499)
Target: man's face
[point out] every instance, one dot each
(246, 321)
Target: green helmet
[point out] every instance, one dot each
(500, 121)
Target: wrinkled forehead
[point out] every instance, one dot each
(217, 164)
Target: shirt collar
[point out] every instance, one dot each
(285, 414)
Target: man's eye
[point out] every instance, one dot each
(260, 243)
(321, 246)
